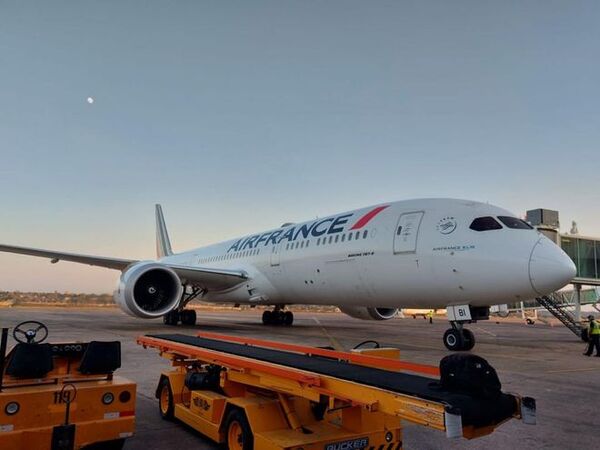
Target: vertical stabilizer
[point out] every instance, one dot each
(163, 244)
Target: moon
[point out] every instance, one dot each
(90, 100)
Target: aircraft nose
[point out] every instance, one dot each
(549, 267)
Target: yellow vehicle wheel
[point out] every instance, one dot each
(239, 434)
(165, 399)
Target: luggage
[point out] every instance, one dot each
(468, 373)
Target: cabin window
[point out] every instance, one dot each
(514, 222)
(485, 224)
(365, 234)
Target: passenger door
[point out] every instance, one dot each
(407, 231)
(276, 255)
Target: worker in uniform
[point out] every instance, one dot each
(430, 316)
(593, 336)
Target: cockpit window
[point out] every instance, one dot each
(513, 222)
(485, 224)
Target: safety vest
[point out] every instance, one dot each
(594, 327)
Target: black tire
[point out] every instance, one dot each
(469, 339)
(453, 340)
(288, 318)
(171, 318)
(246, 439)
(166, 406)
(267, 318)
(116, 444)
(188, 317)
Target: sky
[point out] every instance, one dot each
(239, 116)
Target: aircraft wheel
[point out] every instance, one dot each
(188, 317)
(166, 405)
(288, 318)
(468, 339)
(238, 431)
(453, 340)
(278, 317)
(171, 318)
(267, 317)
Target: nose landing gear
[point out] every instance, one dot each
(458, 338)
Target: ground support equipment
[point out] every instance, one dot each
(251, 393)
(63, 396)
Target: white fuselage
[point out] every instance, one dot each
(414, 254)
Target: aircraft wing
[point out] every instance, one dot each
(211, 279)
(101, 261)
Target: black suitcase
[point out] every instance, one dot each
(463, 372)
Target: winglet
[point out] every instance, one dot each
(163, 244)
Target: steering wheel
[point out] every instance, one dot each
(370, 341)
(68, 393)
(27, 332)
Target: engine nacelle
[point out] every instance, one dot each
(369, 313)
(148, 289)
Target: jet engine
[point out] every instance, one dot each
(148, 289)
(369, 313)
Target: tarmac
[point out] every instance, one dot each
(541, 361)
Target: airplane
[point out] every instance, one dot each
(458, 255)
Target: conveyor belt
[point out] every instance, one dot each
(478, 411)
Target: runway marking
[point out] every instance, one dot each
(486, 331)
(333, 341)
(588, 369)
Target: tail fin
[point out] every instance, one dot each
(163, 244)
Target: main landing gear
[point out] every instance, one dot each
(180, 314)
(458, 338)
(278, 317)
(185, 316)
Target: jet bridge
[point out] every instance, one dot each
(252, 393)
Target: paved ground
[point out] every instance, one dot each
(539, 361)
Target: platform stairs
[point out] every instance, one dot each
(559, 306)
